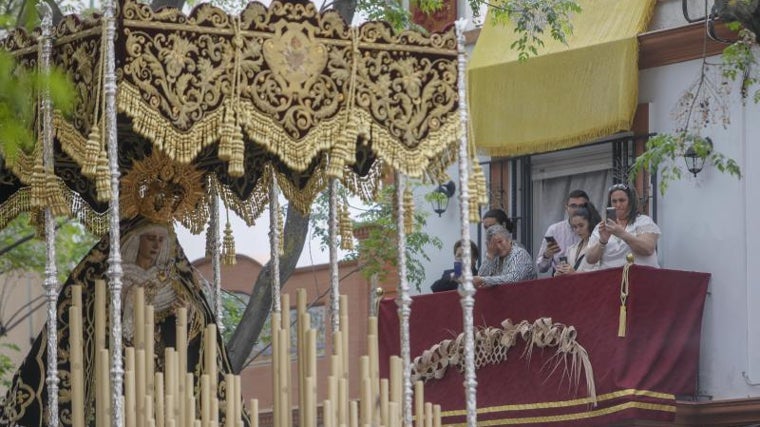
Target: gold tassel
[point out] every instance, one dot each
(337, 162)
(480, 183)
(225, 138)
(346, 229)
(103, 178)
(623, 318)
(91, 151)
(228, 246)
(622, 321)
(37, 183)
(408, 211)
(237, 153)
(474, 213)
(54, 196)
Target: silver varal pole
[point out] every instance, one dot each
(51, 272)
(215, 255)
(467, 291)
(274, 240)
(404, 301)
(333, 238)
(114, 256)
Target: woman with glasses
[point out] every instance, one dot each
(629, 232)
(583, 221)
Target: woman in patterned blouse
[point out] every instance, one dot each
(510, 263)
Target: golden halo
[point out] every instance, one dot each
(161, 189)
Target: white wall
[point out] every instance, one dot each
(447, 227)
(706, 227)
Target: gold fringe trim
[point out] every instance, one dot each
(146, 121)
(296, 154)
(73, 205)
(568, 141)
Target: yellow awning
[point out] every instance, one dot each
(566, 96)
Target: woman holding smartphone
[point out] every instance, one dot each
(583, 221)
(629, 232)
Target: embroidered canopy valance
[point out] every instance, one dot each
(274, 91)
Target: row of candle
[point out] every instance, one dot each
(168, 398)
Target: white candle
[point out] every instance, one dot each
(77, 372)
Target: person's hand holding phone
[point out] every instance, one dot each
(609, 227)
(552, 247)
(563, 268)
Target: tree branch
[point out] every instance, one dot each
(25, 239)
(257, 310)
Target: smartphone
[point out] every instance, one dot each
(611, 213)
(457, 268)
(550, 240)
(563, 260)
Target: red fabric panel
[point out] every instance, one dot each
(659, 353)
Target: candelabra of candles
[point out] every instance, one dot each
(169, 398)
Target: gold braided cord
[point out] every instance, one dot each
(574, 416)
(583, 401)
(493, 344)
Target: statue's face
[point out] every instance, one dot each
(151, 243)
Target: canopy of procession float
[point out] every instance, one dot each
(278, 97)
(281, 91)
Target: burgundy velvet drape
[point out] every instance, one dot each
(638, 376)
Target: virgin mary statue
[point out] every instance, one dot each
(153, 260)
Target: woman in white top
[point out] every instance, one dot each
(630, 232)
(583, 222)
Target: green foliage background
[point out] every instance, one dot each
(72, 243)
(379, 250)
